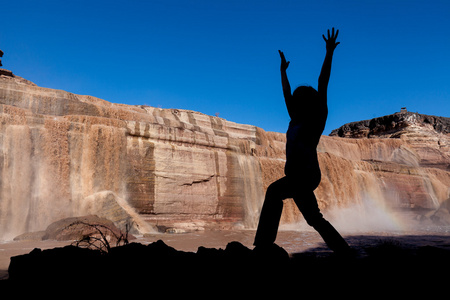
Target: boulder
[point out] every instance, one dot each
(76, 228)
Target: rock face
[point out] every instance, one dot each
(422, 151)
(64, 155)
(427, 135)
(392, 125)
(408, 154)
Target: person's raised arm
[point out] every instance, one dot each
(326, 67)
(284, 80)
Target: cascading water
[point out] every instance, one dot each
(252, 189)
(367, 186)
(58, 151)
(16, 178)
(47, 173)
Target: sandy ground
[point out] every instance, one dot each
(291, 241)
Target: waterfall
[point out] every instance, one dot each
(34, 180)
(252, 189)
(60, 152)
(47, 172)
(16, 181)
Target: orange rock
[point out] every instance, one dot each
(184, 169)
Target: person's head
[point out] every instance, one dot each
(305, 101)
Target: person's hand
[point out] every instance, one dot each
(284, 64)
(331, 41)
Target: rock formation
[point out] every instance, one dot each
(388, 267)
(421, 153)
(64, 155)
(77, 229)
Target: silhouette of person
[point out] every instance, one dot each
(308, 111)
(1, 54)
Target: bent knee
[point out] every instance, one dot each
(275, 194)
(275, 188)
(272, 189)
(315, 220)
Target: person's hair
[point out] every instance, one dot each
(305, 100)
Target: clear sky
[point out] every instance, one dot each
(221, 56)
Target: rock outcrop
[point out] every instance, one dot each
(235, 270)
(418, 159)
(78, 229)
(64, 155)
(427, 135)
(392, 125)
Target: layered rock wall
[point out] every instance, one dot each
(58, 151)
(64, 155)
(418, 155)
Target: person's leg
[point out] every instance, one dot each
(307, 204)
(271, 213)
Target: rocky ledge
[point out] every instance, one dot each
(9, 75)
(236, 270)
(392, 126)
(428, 137)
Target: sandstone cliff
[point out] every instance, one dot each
(409, 155)
(427, 135)
(64, 155)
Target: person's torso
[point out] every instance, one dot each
(302, 139)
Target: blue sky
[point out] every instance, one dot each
(222, 56)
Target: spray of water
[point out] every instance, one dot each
(47, 173)
(365, 216)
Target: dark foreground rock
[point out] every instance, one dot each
(385, 268)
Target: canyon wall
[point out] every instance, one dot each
(65, 155)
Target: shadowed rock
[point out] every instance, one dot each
(385, 267)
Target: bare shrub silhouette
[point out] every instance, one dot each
(100, 237)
